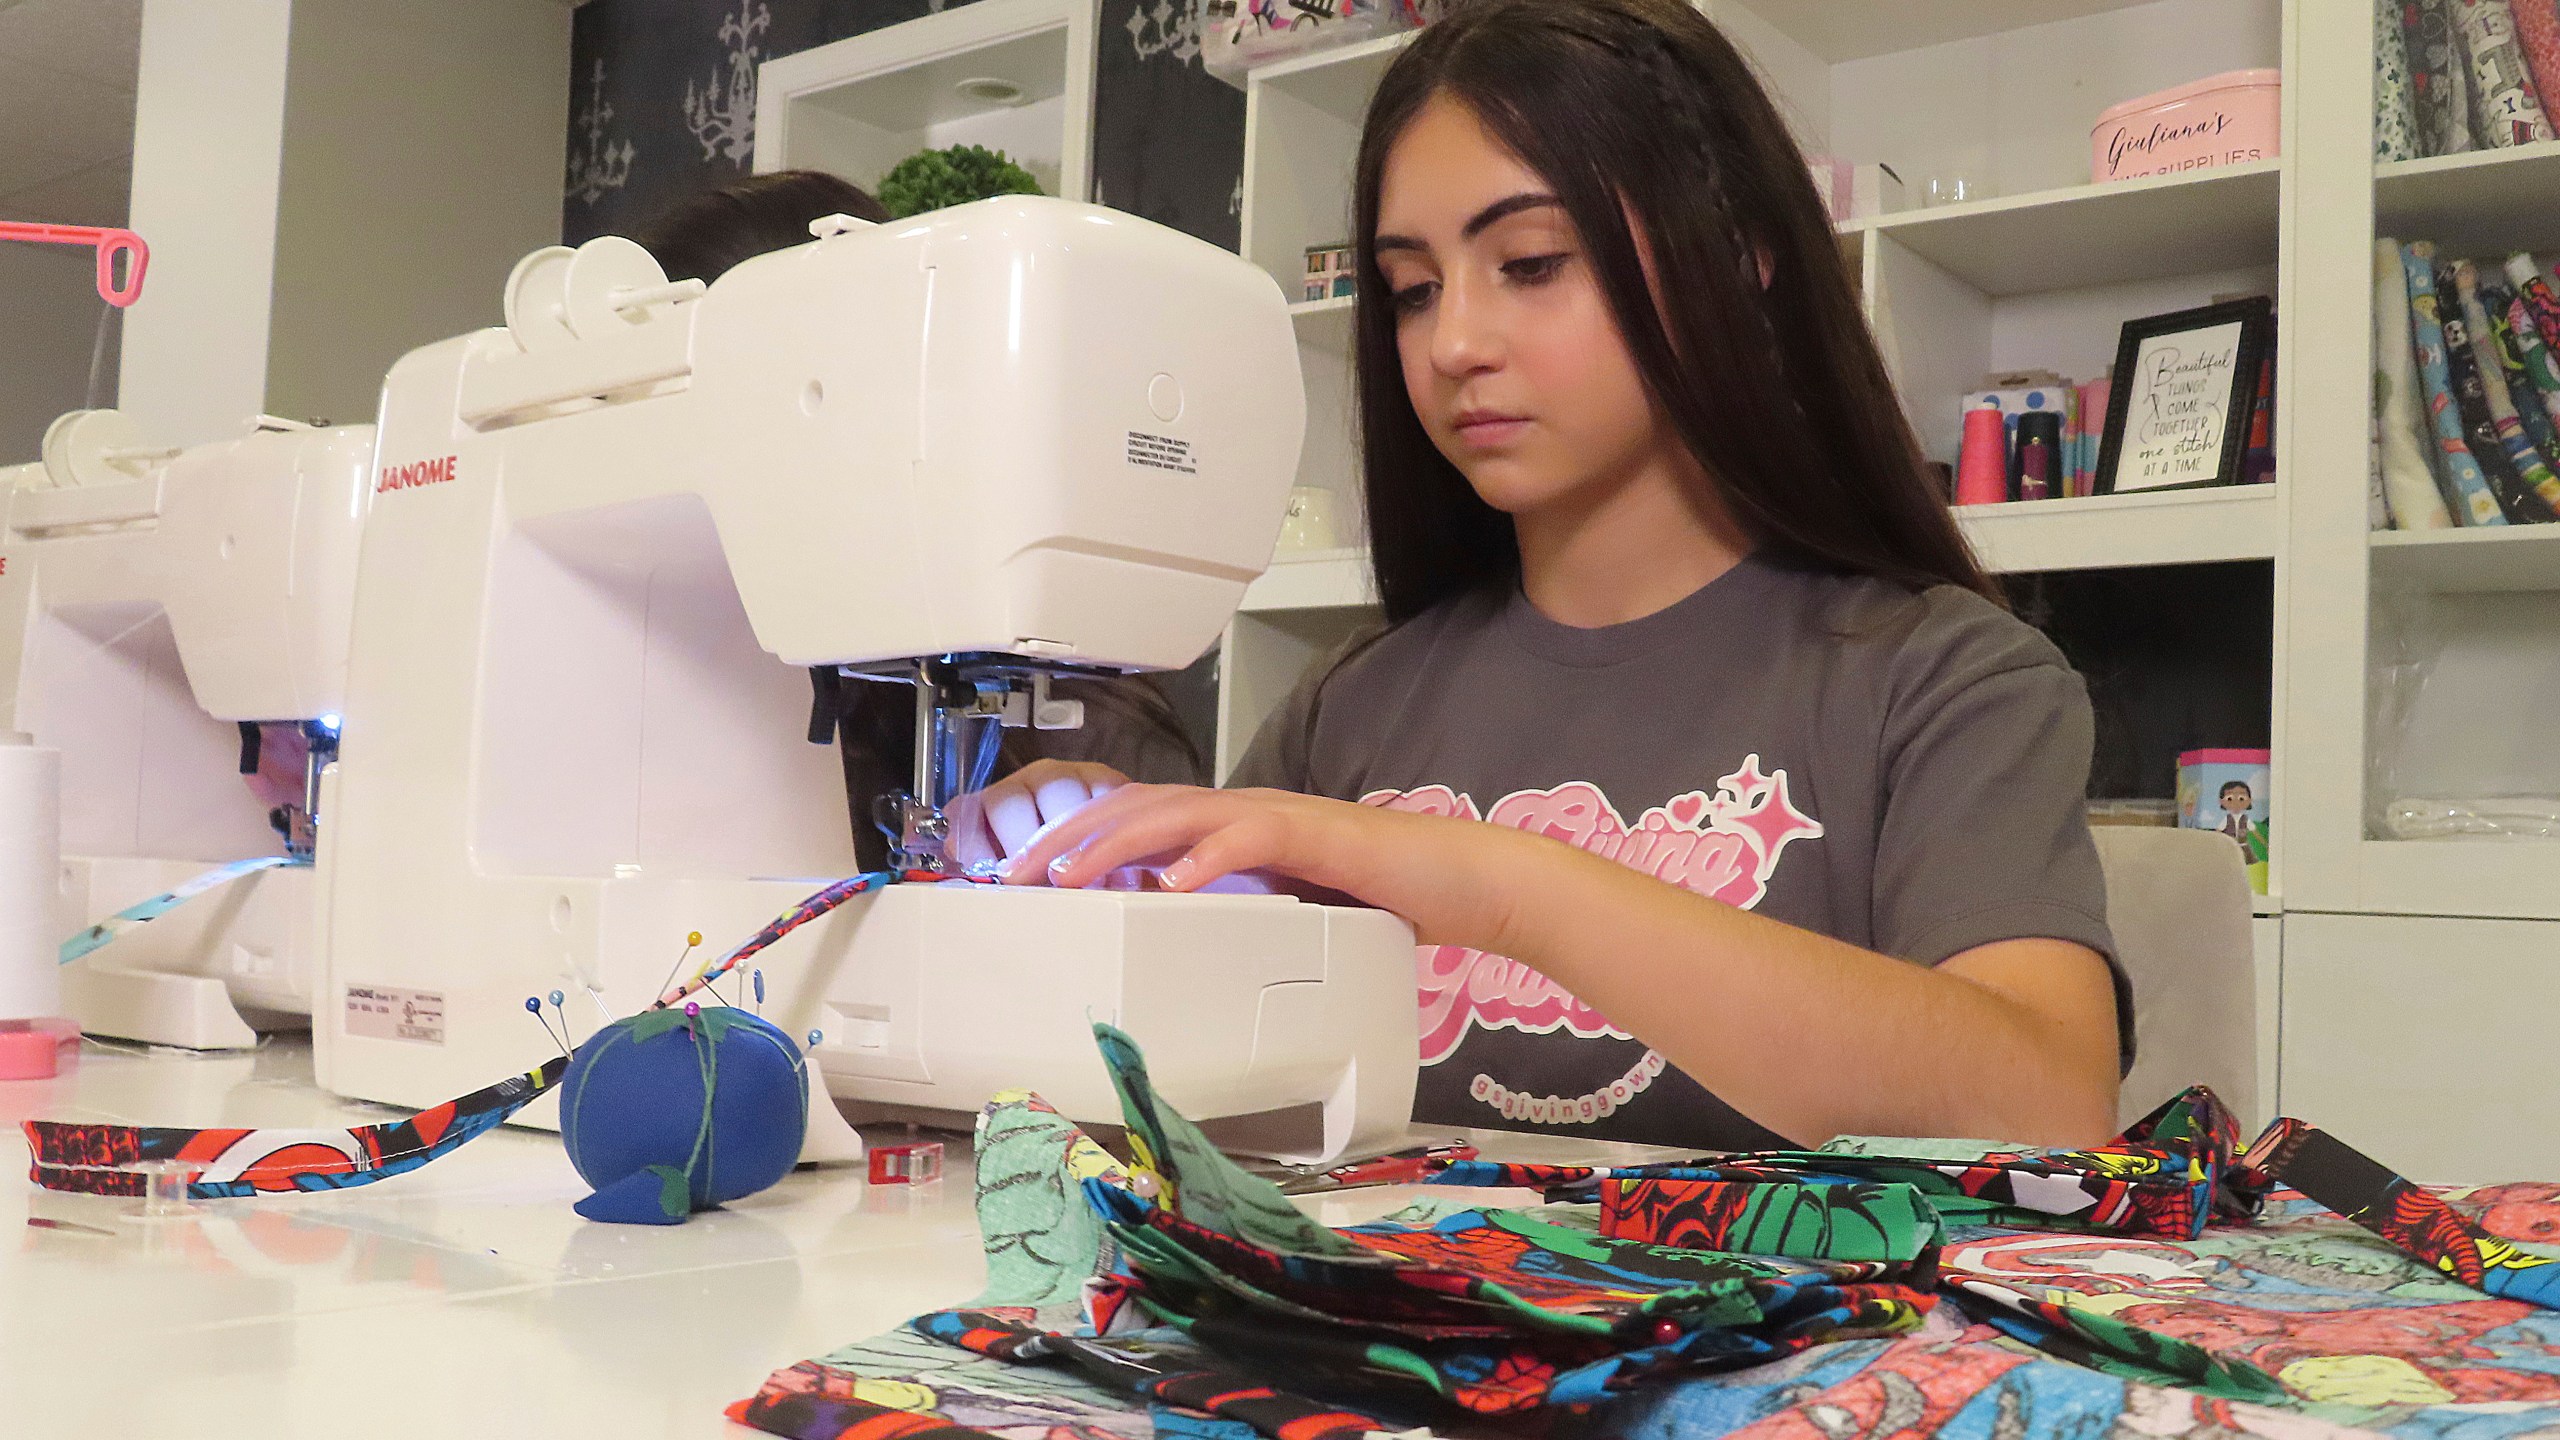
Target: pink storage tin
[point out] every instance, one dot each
(2227, 119)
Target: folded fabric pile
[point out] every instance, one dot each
(2163, 1284)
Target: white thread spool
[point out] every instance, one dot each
(30, 864)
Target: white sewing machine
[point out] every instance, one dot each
(611, 541)
(170, 621)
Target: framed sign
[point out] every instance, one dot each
(2184, 386)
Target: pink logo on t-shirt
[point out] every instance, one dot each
(1723, 845)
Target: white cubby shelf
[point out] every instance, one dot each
(2452, 562)
(860, 105)
(2099, 532)
(1335, 579)
(2087, 235)
(2482, 203)
(2102, 532)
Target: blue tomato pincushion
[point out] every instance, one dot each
(672, 1111)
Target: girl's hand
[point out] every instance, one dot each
(997, 823)
(1453, 880)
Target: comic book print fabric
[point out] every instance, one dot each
(2169, 1174)
(241, 1163)
(2168, 1286)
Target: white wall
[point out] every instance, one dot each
(49, 309)
(2015, 109)
(208, 128)
(1796, 78)
(326, 184)
(423, 149)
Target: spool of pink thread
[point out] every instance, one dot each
(2093, 430)
(1982, 466)
(29, 1055)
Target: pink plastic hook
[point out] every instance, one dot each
(110, 242)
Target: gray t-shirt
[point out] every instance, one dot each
(1902, 772)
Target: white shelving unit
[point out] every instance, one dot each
(1012, 75)
(2083, 236)
(2451, 562)
(2106, 532)
(1314, 580)
(2472, 203)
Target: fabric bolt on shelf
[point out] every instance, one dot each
(2395, 115)
(2506, 109)
(2400, 444)
(2538, 36)
(2258, 461)
(2541, 367)
(2458, 472)
(2439, 76)
(2541, 300)
(2504, 418)
(2507, 342)
(2522, 504)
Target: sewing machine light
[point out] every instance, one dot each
(329, 723)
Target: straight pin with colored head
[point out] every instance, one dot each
(533, 1007)
(690, 940)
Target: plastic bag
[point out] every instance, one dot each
(2485, 817)
(2453, 681)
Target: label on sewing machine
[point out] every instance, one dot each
(387, 1012)
(1162, 452)
(438, 471)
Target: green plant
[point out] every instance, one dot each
(932, 179)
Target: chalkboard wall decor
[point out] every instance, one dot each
(663, 103)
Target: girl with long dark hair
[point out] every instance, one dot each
(1787, 836)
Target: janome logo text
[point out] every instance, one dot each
(417, 473)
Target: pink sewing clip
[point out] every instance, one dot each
(110, 243)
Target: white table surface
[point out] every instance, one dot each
(465, 1298)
